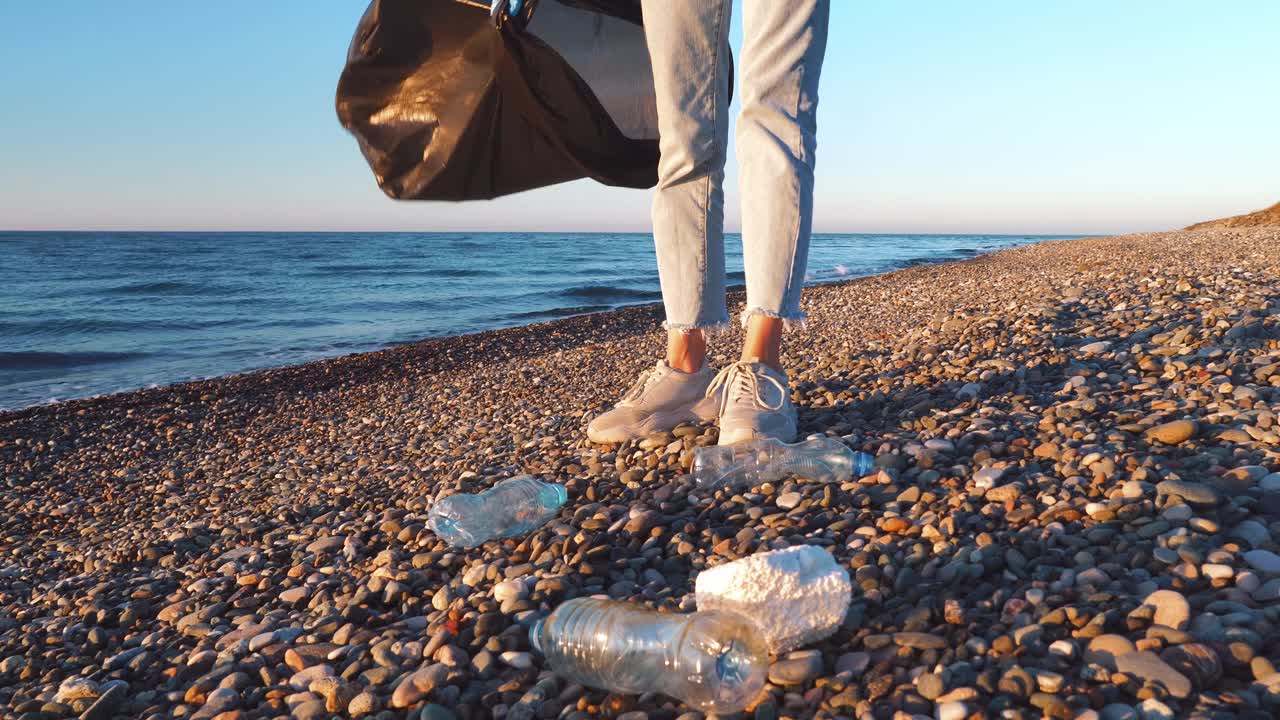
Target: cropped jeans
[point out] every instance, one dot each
(783, 45)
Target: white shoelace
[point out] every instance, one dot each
(739, 380)
(643, 383)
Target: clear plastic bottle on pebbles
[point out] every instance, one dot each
(751, 463)
(715, 661)
(512, 507)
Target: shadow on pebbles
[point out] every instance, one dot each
(1075, 514)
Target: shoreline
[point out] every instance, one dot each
(734, 291)
(1077, 506)
(625, 315)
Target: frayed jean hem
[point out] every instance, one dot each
(711, 328)
(790, 321)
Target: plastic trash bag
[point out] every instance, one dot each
(449, 105)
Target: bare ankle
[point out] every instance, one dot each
(763, 341)
(686, 350)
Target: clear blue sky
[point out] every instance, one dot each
(1080, 117)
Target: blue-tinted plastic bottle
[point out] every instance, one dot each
(512, 507)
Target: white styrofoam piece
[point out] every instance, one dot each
(796, 596)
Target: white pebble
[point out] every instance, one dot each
(1154, 710)
(1064, 649)
(513, 589)
(517, 660)
(1214, 571)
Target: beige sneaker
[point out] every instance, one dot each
(661, 399)
(755, 402)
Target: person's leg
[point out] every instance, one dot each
(783, 45)
(782, 52)
(688, 42)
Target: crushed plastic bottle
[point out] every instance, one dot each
(713, 660)
(768, 460)
(512, 507)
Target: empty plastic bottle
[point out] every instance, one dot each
(768, 460)
(512, 507)
(713, 660)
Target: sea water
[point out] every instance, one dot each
(87, 313)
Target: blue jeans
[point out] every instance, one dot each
(783, 45)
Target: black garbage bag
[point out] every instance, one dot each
(449, 105)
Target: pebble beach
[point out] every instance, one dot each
(1075, 512)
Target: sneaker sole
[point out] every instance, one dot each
(657, 422)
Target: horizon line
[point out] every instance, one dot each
(500, 231)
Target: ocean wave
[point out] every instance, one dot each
(343, 268)
(38, 360)
(160, 287)
(551, 313)
(70, 327)
(612, 292)
(917, 261)
(832, 273)
(465, 272)
(394, 270)
(294, 323)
